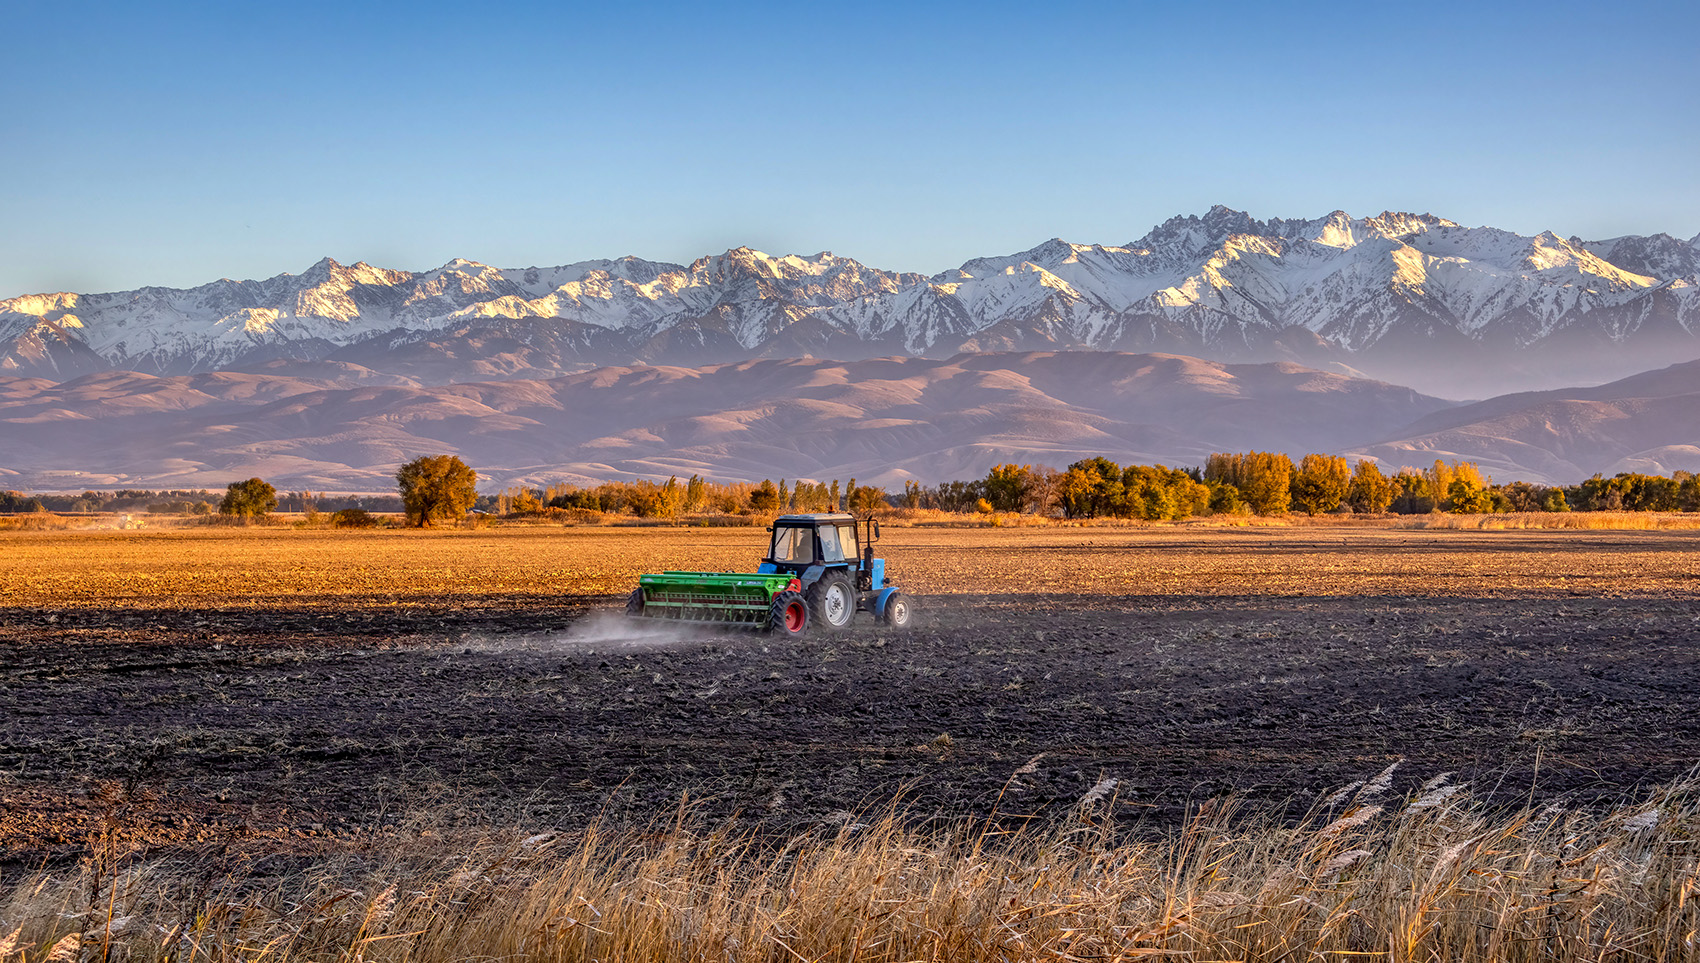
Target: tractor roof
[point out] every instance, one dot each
(815, 518)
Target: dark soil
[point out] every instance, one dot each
(297, 728)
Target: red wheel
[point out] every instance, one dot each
(788, 615)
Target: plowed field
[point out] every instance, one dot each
(291, 689)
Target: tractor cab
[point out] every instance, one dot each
(810, 546)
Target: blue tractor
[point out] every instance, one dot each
(819, 570)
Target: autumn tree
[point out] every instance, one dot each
(696, 494)
(670, 499)
(1043, 485)
(436, 488)
(911, 497)
(765, 497)
(1263, 478)
(863, 499)
(1439, 476)
(248, 499)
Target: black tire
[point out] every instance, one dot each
(788, 616)
(832, 601)
(634, 603)
(898, 611)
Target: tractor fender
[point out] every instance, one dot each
(811, 575)
(880, 600)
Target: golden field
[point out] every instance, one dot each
(267, 566)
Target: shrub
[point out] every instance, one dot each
(353, 518)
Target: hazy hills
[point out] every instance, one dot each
(1649, 422)
(882, 421)
(1410, 298)
(337, 426)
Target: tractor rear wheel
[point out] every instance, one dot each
(897, 611)
(788, 615)
(634, 603)
(832, 601)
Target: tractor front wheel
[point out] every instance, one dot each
(634, 603)
(788, 616)
(897, 612)
(832, 600)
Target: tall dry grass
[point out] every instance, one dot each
(1638, 521)
(1434, 876)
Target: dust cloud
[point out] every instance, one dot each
(605, 631)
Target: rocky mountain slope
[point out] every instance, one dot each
(1415, 299)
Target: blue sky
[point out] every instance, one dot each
(176, 143)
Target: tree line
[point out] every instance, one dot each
(442, 488)
(1270, 483)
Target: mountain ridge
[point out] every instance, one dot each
(1409, 298)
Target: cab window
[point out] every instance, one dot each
(793, 544)
(847, 539)
(830, 550)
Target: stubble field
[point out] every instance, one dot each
(284, 691)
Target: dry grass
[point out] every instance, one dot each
(282, 567)
(1432, 877)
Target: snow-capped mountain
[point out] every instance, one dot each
(1407, 297)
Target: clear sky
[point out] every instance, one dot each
(176, 143)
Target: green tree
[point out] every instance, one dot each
(1092, 487)
(1411, 493)
(248, 499)
(1006, 487)
(1468, 498)
(1687, 491)
(1370, 492)
(1224, 499)
(1148, 493)
(1320, 484)
(436, 488)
